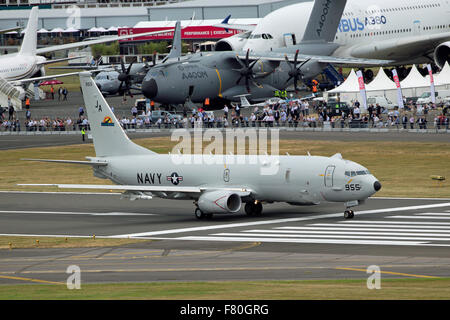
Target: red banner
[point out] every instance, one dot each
(188, 33)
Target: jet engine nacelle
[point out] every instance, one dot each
(311, 69)
(219, 202)
(442, 54)
(234, 43)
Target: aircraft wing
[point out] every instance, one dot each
(49, 77)
(243, 27)
(141, 188)
(10, 29)
(275, 56)
(408, 45)
(96, 41)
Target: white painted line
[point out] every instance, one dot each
(419, 217)
(396, 222)
(80, 213)
(379, 226)
(435, 235)
(400, 198)
(287, 220)
(358, 229)
(433, 214)
(323, 241)
(330, 237)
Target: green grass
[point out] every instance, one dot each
(391, 289)
(61, 242)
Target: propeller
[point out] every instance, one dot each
(246, 72)
(295, 72)
(125, 77)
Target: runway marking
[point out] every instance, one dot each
(433, 214)
(274, 221)
(305, 240)
(397, 222)
(80, 213)
(31, 280)
(286, 229)
(377, 226)
(300, 236)
(419, 217)
(394, 273)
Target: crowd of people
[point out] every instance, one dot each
(295, 113)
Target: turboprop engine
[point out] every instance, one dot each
(219, 202)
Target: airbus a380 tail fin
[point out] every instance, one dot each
(324, 20)
(109, 138)
(29, 42)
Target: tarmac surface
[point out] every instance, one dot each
(405, 238)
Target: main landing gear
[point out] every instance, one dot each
(199, 214)
(349, 214)
(253, 208)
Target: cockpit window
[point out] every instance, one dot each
(356, 173)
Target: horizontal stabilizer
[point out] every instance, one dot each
(89, 163)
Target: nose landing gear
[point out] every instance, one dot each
(349, 214)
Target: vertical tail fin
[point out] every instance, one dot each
(324, 20)
(109, 138)
(176, 50)
(29, 43)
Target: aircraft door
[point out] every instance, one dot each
(329, 176)
(417, 28)
(289, 39)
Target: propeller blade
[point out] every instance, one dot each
(122, 64)
(239, 80)
(296, 57)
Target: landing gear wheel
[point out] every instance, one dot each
(349, 214)
(249, 208)
(258, 209)
(199, 214)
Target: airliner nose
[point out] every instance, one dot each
(150, 88)
(377, 186)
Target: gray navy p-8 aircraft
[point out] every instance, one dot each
(218, 188)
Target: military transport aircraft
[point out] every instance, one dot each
(216, 187)
(129, 77)
(224, 75)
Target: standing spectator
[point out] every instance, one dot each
(60, 92)
(134, 111)
(52, 92)
(28, 115)
(27, 103)
(65, 92)
(80, 112)
(10, 109)
(411, 122)
(225, 111)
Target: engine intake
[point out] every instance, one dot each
(219, 202)
(442, 54)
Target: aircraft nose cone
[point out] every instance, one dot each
(150, 88)
(377, 186)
